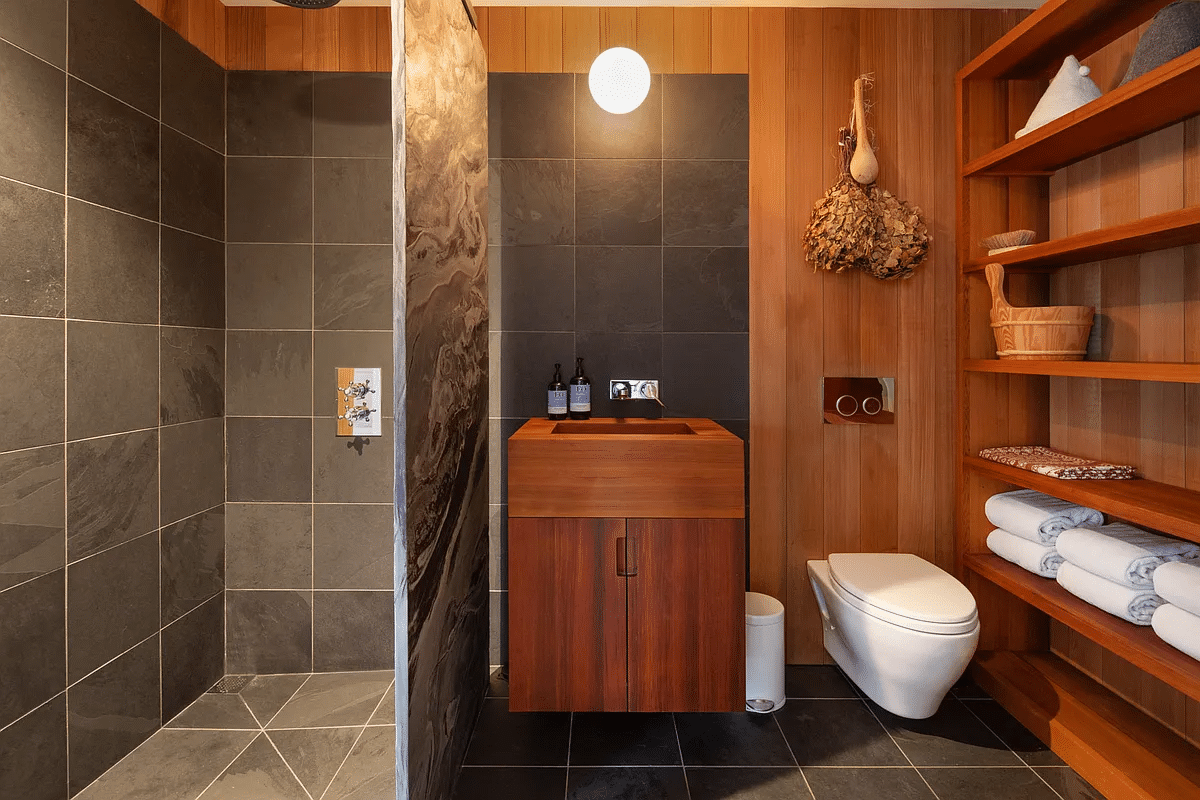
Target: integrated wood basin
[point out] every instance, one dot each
(631, 468)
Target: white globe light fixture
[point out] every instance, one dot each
(619, 80)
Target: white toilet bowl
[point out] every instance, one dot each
(901, 628)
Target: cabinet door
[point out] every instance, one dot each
(566, 611)
(687, 623)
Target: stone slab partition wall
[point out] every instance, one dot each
(112, 309)
(446, 372)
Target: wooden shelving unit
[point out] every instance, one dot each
(1005, 184)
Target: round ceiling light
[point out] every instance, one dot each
(619, 80)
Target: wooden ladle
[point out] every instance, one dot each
(864, 167)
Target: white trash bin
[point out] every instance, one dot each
(764, 653)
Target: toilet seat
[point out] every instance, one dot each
(904, 590)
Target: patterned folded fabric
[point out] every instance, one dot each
(1045, 461)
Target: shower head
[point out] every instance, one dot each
(308, 3)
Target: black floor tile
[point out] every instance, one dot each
(816, 680)
(1019, 739)
(1068, 784)
(837, 733)
(511, 783)
(836, 783)
(964, 687)
(988, 784)
(732, 740)
(620, 740)
(953, 737)
(626, 783)
(747, 783)
(505, 739)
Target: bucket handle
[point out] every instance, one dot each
(995, 279)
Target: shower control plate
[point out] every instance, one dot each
(858, 401)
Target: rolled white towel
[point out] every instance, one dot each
(1038, 517)
(1179, 584)
(1178, 628)
(1134, 605)
(1037, 558)
(1122, 553)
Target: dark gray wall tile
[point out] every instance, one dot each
(532, 288)
(114, 46)
(333, 349)
(269, 546)
(32, 399)
(193, 468)
(112, 603)
(113, 710)
(112, 152)
(706, 203)
(531, 115)
(353, 200)
(31, 141)
(112, 265)
(706, 289)
(40, 28)
(193, 185)
(527, 364)
(531, 202)
(509, 426)
(111, 371)
(193, 562)
(193, 280)
(32, 262)
(270, 113)
(706, 116)
(269, 200)
(112, 491)
(269, 460)
(498, 630)
(599, 134)
(706, 375)
(192, 367)
(352, 114)
(193, 655)
(618, 289)
(193, 91)
(353, 631)
(612, 356)
(32, 630)
(35, 754)
(270, 372)
(270, 286)
(498, 547)
(353, 287)
(618, 201)
(32, 522)
(269, 632)
(352, 547)
(351, 470)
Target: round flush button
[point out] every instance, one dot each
(872, 406)
(846, 405)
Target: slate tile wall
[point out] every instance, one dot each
(309, 282)
(112, 311)
(622, 239)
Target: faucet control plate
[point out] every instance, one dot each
(628, 389)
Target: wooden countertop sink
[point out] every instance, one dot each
(632, 468)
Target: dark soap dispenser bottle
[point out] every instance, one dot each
(556, 396)
(581, 393)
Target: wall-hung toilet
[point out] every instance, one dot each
(901, 628)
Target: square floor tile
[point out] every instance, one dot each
(837, 733)
(511, 783)
(816, 681)
(747, 783)
(333, 700)
(1068, 784)
(953, 737)
(505, 739)
(732, 740)
(1028, 747)
(635, 783)
(988, 784)
(867, 784)
(613, 739)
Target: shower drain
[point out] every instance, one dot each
(231, 684)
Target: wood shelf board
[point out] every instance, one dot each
(1116, 747)
(1155, 100)
(1038, 44)
(1136, 644)
(1113, 370)
(1166, 508)
(1159, 232)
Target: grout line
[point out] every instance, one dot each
(66, 369)
(792, 752)
(679, 748)
(287, 764)
(898, 747)
(225, 769)
(316, 381)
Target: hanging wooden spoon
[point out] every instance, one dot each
(864, 167)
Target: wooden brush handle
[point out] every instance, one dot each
(995, 279)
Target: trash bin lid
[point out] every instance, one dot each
(762, 609)
(905, 585)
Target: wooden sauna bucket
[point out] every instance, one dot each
(1040, 333)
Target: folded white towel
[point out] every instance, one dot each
(1122, 553)
(1038, 517)
(1178, 628)
(1135, 605)
(1037, 558)
(1179, 584)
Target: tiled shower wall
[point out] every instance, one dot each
(310, 284)
(112, 313)
(621, 239)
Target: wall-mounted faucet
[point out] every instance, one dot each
(626, 389)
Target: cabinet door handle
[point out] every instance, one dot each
(631, 557)
(621, 557)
